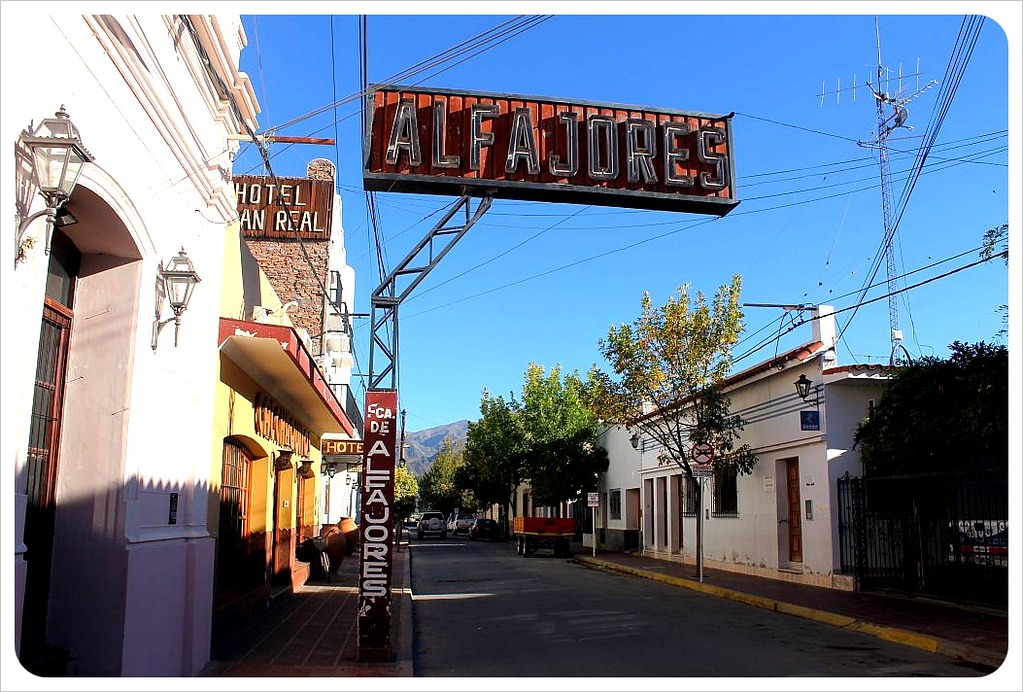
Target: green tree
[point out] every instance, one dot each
(665, 380)
(996, 244)
(406, 492)
(494, 452)
(562, 458)
(941, 415)
(437, 487)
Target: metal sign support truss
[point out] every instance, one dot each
(412, 270)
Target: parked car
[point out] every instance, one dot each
(432, 522)
(484, 528)
(460, 523)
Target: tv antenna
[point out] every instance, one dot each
(892, 115)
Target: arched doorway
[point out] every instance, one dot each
(82, 383)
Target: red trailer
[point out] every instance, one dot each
(535, 533)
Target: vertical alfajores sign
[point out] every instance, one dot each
(543, 149)
(377, 524)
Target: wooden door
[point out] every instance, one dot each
(795, 524)
(42, 465)
(283, 546)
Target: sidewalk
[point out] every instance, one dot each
(313, 632)
(973, 635)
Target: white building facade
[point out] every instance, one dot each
(107, 432)
(781, 520)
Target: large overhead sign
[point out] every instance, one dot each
(543, 149)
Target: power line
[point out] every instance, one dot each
(615, 251)
(861, 303)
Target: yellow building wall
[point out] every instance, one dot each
(245, 286)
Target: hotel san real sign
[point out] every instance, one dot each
(544, 149)
(284, 208)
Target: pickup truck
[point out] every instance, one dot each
(535, 533)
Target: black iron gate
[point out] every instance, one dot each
(943, 535)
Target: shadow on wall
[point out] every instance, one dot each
(194, 576)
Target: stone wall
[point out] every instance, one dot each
(295, 278)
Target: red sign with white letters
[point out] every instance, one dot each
(377, 526)
(545, 149)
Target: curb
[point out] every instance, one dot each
(892, 634)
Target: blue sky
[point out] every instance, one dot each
(543, 282)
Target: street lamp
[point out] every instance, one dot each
(176, 283)
(803, 388)
(58, 156)
(634, 440)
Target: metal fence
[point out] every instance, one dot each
(943, 535)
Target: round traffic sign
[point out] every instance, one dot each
(702, 454)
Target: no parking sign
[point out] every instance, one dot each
(703, 459)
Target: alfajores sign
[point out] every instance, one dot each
(541, 149)
(377, 525)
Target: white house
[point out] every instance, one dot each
(780, 521)
(106, 425)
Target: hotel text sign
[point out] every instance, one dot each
(377, 526)
(344, 447)
(283, 207)
(540, 149)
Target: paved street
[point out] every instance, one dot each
(481, 610)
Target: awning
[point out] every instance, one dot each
(276, 359)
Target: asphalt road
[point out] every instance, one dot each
(480, 610)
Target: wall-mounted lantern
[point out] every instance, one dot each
(176, 283)
(58, 157)
(805, 387)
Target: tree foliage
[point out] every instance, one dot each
(547, 438)
(562, 459)
(996, 244)
(494, 451)
(437, 487)
(666, 371)
(941, 415)
(406, 492)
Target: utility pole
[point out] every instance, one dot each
(401, 448)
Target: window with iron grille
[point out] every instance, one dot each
(687, 496)
(234, 515)
(614, 503)
(726, 493)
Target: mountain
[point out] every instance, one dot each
(423, 445)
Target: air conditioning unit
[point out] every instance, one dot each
(339, 343)
(335, 323)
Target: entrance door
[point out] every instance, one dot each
(44, 436)
(795, 525)
(42, 458)
(283, 527)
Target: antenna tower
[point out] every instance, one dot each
(891, 115)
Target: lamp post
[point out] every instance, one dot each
(176, 283)
(58, 156)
